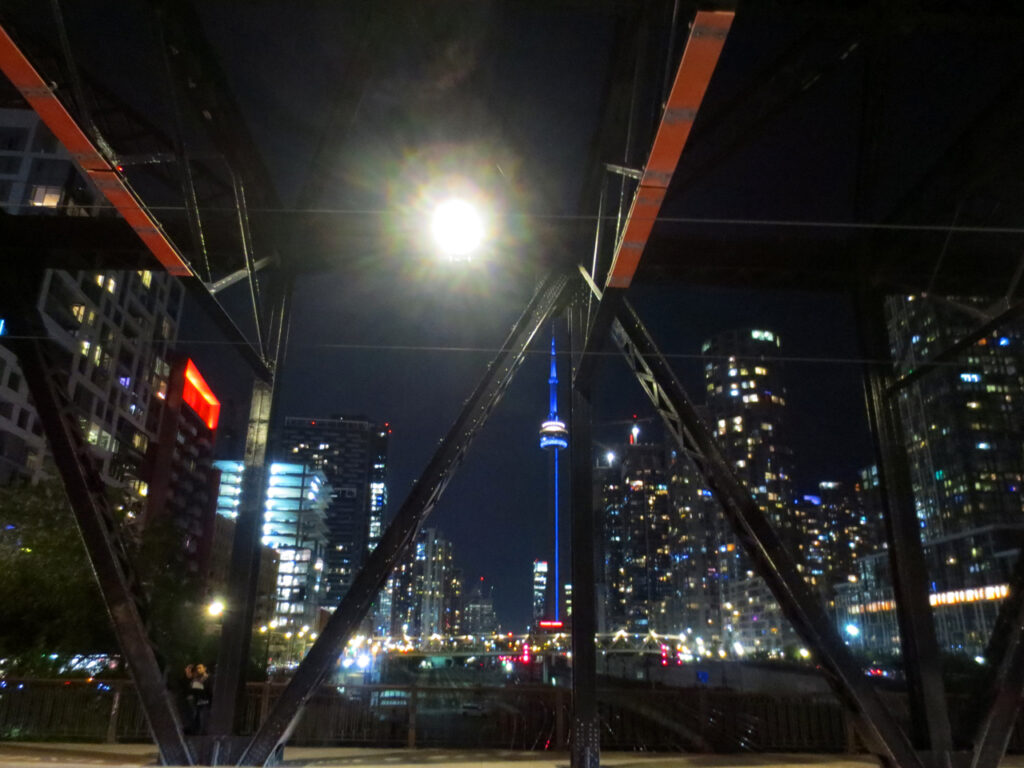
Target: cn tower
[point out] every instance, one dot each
(554, 437)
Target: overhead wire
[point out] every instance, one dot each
(463, 349)
(577, 217)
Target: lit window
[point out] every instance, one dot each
(973, 404)
(78, 310)
(146, 277)
(45, 197)
(111, 285)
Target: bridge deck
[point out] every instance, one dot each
(82, 754)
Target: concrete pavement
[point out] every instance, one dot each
(134, 755)
(37, 754)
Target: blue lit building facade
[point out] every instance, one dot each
(351, 451)
(294, 525)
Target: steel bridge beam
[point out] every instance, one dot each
(761, 542)
(586, 724)
(114, 186)
(400, 535)
(700, 58)
(965, 342)
(243, 580)
(1004, 692)
(909, 572)
(121, 591)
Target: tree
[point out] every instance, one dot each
(50, 604)
(49, 601)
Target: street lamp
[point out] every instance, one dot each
(457, 227)
(215, 608)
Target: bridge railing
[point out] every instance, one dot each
(528, 717)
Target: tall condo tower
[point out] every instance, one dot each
(554, 437)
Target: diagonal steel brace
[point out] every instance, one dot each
(759, 539)
(97, 524)
(400, 535)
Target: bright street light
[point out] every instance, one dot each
(457, 227)
(215, 608)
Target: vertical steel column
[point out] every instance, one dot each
(1004, 692)
(86, 492)
(236, 634)
(930, 728)
(585, 749)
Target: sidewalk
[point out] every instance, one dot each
(134, 755)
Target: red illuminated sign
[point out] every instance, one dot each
(549, 624)
(199, 396)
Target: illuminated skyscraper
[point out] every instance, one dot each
(352, 454)
(746, 405)
(553, 437)
(183, 483)
(963, 427)
(540, 590)
(293, 525)
(638, 530)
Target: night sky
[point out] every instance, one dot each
(410, 352)
(353, 110)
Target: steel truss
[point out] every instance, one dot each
(122, 593)
(400, 535)
(758, 538)
(987, 734)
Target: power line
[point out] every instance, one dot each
(951, 228)
(461, 349)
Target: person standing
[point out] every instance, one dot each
(200, 689)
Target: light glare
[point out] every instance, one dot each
(457, 227)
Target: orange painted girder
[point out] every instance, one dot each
(40, 96)
(700, 57)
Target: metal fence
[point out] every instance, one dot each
(518, 717)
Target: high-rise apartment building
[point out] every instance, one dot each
(116, 328)
(352, 454)
(540, 591)
(638, 528)
(424, 591)
(963, 430)
(698, 530)
(294, 524)
(837, 530)
(182, 482)
(746, 403)
(479, 617)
